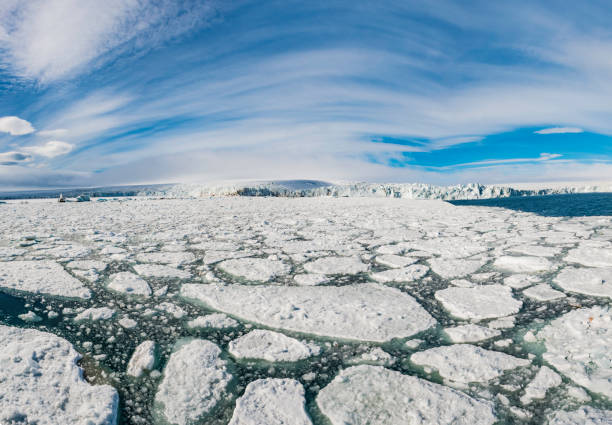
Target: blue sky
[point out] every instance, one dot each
(137, 91)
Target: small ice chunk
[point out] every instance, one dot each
(94, 314)
(482, 302)
(395, 261)
(128, 323)
(142, 359)
(129, 283)
(406, 274)
(41, 277)
(523, 264)
(271, 402)
(336, 265)
(259, 269)
(585, 415)
(30, 316)
(451, 268)
(545, 379)
(413, 343)
(215, 320)
(309, 279)
(271, 346)
(465, 363)
(374, 395)
(374, 356)
(578, 394)
(194, 381)
(502, 323)
(470, 333)
(543, 292)
(596, 282)
(172, 309)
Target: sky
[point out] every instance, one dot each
(96, 93)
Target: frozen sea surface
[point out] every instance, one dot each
(306, 310)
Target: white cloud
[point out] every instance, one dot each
(543, 157)
(14, 158)
(559, 130)
(15, 126)
(50, 149)
(48, 40)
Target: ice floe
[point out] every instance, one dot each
(395, 261)
(482, 302)
(366, 394)
(586, 415)
(545, 379)
(129, 284)
(40, 383)
(159, 270)
(523, 264)
(470, 333)
(99, 313)
(367, 312)
(215, 320)
(579, 345)
(261, 269)
(587, 281)
(143, 359)
(590, 257)
(271, 346)
(194, 381)
(543, 292)
(271, 402)
(465, 363)
(336, 265)
(41, 277)
(452, 268)
(406, 274)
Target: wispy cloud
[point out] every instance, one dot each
(559, 130)
(14, 158)
(50, 149)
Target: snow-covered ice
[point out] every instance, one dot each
(365, 394)
(260, 269)
(579, 345)
(271, 346)
(586, 415)
(99, 313)
(482, 302)
(590, 256)
(406, 274)
(543, 292)
(142, 359)
(129, 284)
(271, 402)
(336, 265)
(159, 270)
(41, 277)
(525, 264)
(545, 379)
(215, 320)
(40, 383)
(587, 281)
(470, 333)
(367, 312)
(452, 268)
(194, 381)
(464, 363)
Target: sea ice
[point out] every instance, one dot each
(195, 380)
(30, 316)
(271, 346)
(587, 281)
(310, 279)
(590, 257)
(142, 359)
(470, 333)
(259, 269)
(271, 402)
(40, 383)
(518, 281)
(545, 379)
(94, 314)
(336, 265)
(406, 274)
(464, 363)
(579, 345)
(450, 268)
(215, 320)
(159, 270)
(362, 395)
(129, 283)
(367, 312)
(586, 415)
(482, 302)
(523, 264)
(41, 277)
(543, 292)
(395, 261)
(174, 258)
